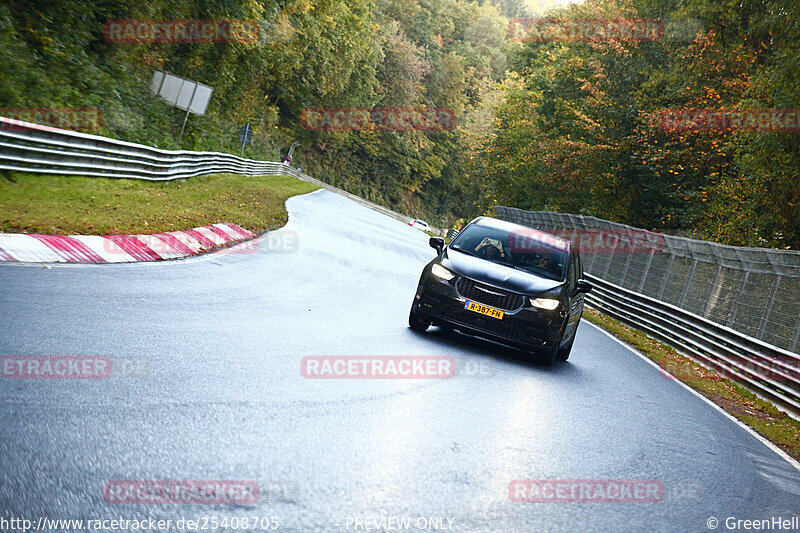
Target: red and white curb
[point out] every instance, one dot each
(34, 248)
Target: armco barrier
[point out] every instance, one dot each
(765, 369)
(731, 308)
(28, 147)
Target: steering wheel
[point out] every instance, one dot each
(490, 252)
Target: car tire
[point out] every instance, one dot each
(563, 353)
(548, 356)
(417, 322)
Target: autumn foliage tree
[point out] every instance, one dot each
(579, 127)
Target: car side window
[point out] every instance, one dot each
(579, 266)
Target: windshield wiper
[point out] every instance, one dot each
(536, 271)
(473, 254)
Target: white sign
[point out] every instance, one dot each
(183, 94)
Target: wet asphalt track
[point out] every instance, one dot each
(208, 386)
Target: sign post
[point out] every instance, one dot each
(245, 136)
(184, 94)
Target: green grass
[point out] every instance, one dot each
(773, 424)
(76, 205)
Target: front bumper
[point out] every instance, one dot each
(529, 327)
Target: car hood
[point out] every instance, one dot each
(498, 275)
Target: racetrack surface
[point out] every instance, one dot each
(207, 386)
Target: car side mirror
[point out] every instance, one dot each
(583, 286)
(437, 243)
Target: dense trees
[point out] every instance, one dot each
(578, 123)
(428, 53)
(563, 125)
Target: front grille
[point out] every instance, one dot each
(491, 325)
(472, 290)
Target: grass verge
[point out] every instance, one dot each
(773, 424)
(78, 205)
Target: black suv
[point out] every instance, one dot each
(507, 283)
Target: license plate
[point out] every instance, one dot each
(483, 309)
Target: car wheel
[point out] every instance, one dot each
(547, 357)
(563, 353)
(417, 322)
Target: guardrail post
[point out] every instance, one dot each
(735, 307)
(591, 256)
(688, 282)
(767, 308)
(646, 271)
(666, 277)
(625, 269)
(590, 267)
(717, 272)
(610, 260)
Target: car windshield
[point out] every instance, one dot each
(528, 250)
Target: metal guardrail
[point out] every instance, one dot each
(752, 290)
(27, 147)
(30, 147)
(767, 370)
(720, 305)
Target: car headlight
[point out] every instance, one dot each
(545, 303)
(441, 272)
